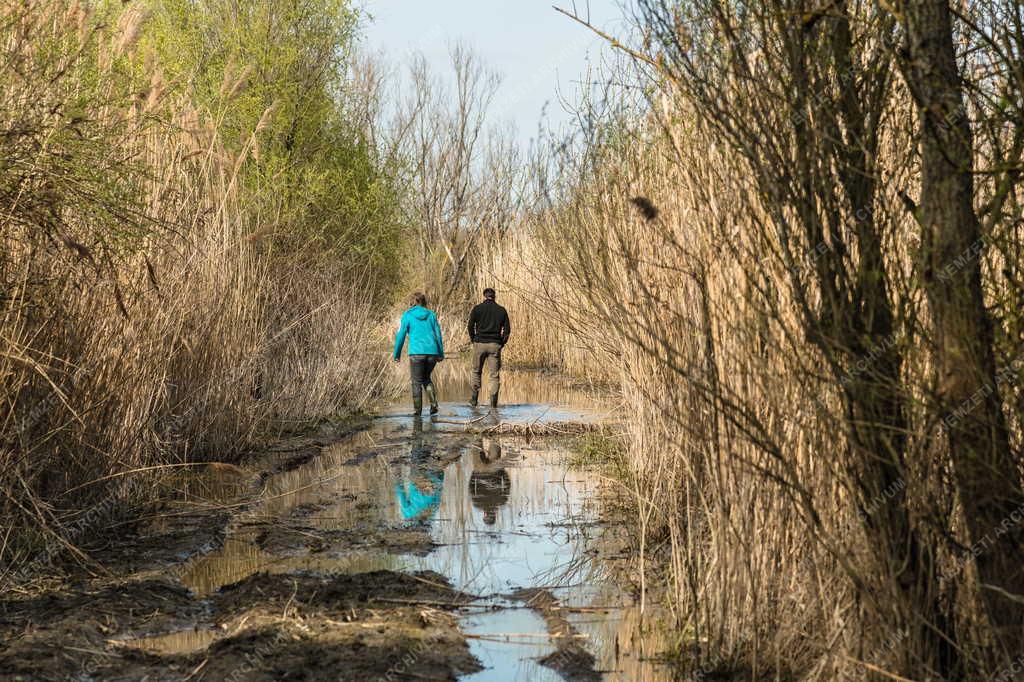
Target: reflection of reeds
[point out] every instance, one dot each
(472, 551)
(538, 428)
(519, 385)
(548, 428)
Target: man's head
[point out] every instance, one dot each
(489, 294)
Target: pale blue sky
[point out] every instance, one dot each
(539, 52)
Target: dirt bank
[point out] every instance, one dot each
(262, 628)
(144, 623)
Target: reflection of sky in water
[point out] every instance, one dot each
(512, 658)
(511, 540)
(502, 524)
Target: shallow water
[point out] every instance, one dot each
(491, 514)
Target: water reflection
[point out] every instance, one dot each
(489, 483)
(518, 387)
(419, 492)
(498, 514)
(175, 642)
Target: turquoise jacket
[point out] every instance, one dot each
(424, 333)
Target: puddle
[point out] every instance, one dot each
(532, 388)
(494, 515)
(185, 641)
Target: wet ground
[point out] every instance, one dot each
(465, 547)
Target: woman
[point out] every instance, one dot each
(426, 349)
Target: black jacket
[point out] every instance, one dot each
(488, 323)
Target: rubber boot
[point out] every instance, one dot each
(417, 401)
(494, 401)
(432, 396)
(474, 398)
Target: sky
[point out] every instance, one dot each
(540, 54)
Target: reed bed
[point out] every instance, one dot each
(746, 507)
(148, 318)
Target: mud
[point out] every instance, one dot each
(263, 628)
(570, 658)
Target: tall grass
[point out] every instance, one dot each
(551, 328)
(147, 318)
(737, 443)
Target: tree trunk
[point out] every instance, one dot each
(967, 396)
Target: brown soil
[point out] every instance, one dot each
(295, 535)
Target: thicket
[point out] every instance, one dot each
(800, 250)
(197, 238)
(793, 237)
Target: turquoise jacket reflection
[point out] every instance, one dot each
(415, 502)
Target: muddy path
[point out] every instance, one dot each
(468, 547)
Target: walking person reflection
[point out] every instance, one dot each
(419, 495)
(489, 484)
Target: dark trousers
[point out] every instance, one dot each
(487, 354)
(420, 369)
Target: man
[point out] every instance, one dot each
(489, 330)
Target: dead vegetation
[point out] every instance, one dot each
(793, 241)
(165, 298)
(811, 351)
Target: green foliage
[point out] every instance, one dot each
(197, 240)
(599, 449)
(68, 177)
(272, 77)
